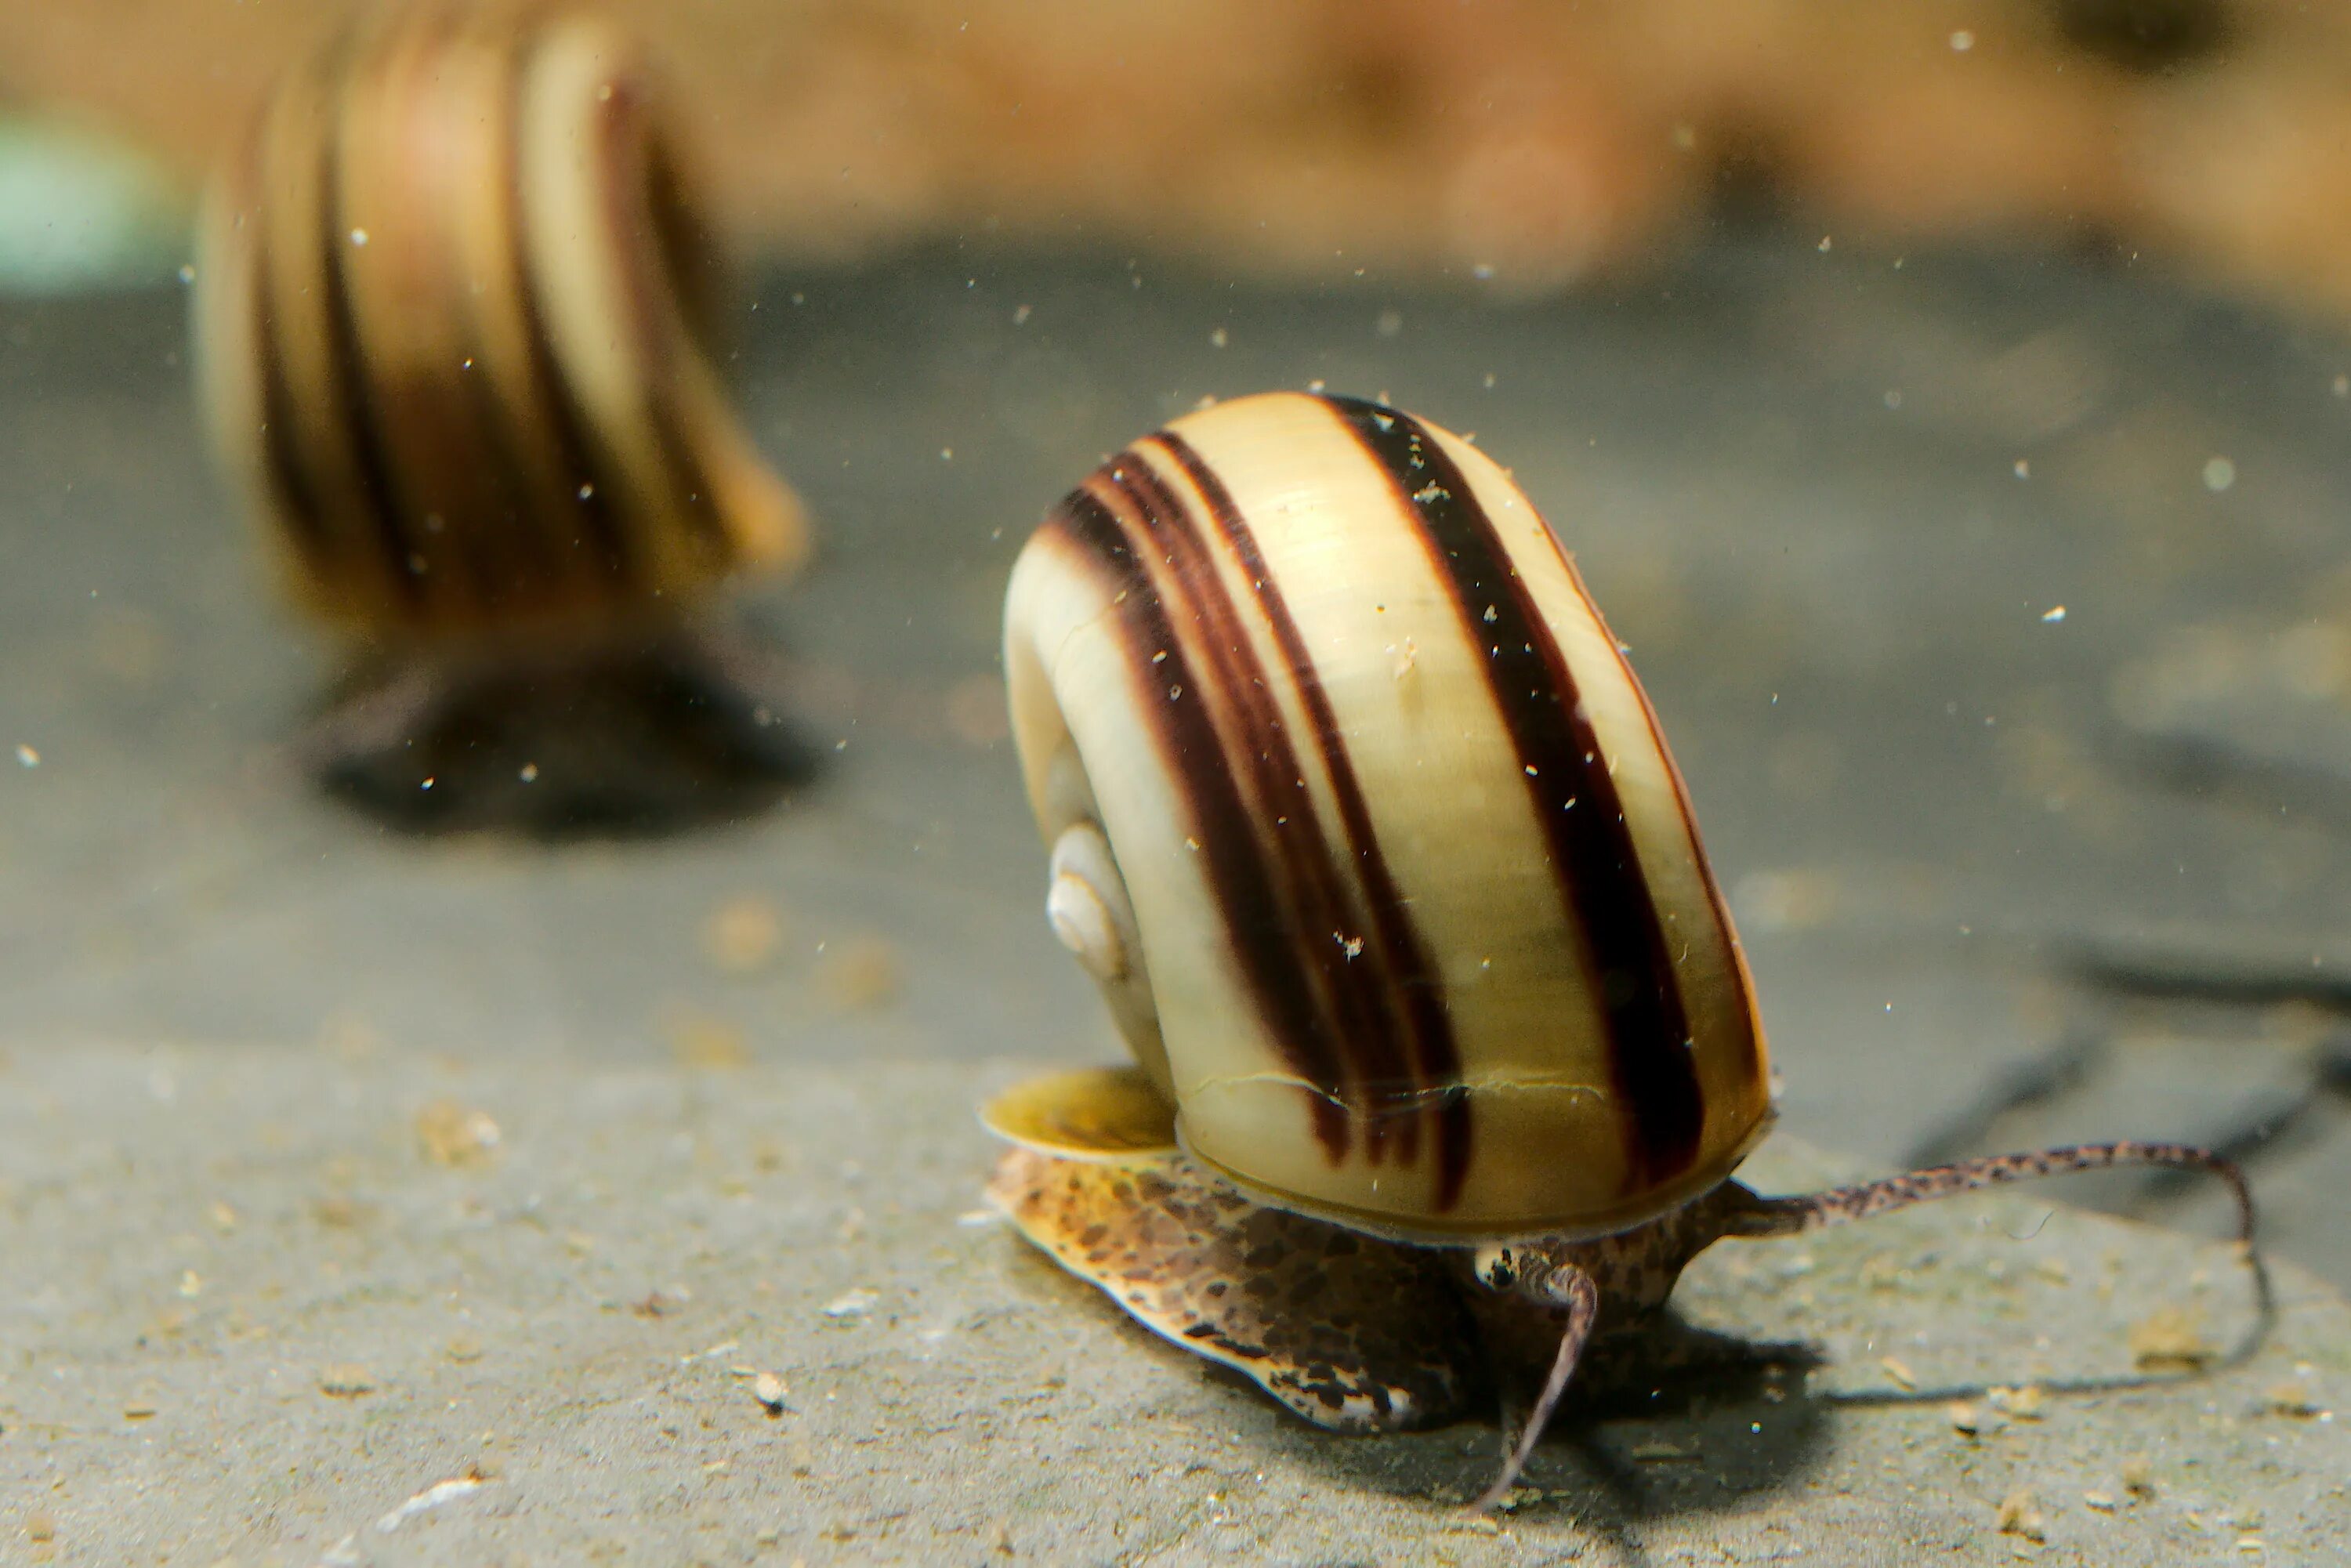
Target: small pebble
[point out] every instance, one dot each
(340, 1212)
(2024, 1404)
(853, 1305)
(662, 1303)
(2021, 1515)
(2168, 1341)
(713, 1044)
(2289, 1399)
(859, 973)
(770, 1390)
(1902, 1376)
(454, 1134)
(741, 936)
(346, 1380)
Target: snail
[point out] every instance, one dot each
(1368, 835)
(454, 313)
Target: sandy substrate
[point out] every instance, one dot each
(281, 1307)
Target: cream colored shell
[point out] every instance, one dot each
(1365, 829)
(453, 312)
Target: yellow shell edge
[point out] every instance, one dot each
(1101, 1113)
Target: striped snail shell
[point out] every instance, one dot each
(1366, 830)
(453, 316)
(1445, 1048)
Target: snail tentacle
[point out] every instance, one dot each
(1794, 1214)
(1563, 1287)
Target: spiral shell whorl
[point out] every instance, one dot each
(1432, 944)
(452, 316)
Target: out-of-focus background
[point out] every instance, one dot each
(1542, 142)
(1947, 402)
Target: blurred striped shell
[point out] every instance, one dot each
(1367, 831)
(453, 315)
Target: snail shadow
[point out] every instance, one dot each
(668, 734)
(1665, 1420)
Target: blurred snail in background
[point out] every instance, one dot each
(1444, 1042)
(455, 318)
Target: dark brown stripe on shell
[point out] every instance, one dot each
(1354, 991)
(1593, 852)
(1436, 1090)
(353, 397)
(630, 219)
(1263, 941)
(432, 448)
(593, 518)
(292, 494)
(516, 562)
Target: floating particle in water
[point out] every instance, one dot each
(2219, 474)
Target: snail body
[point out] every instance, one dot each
(454, 313)
(1362, 824)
